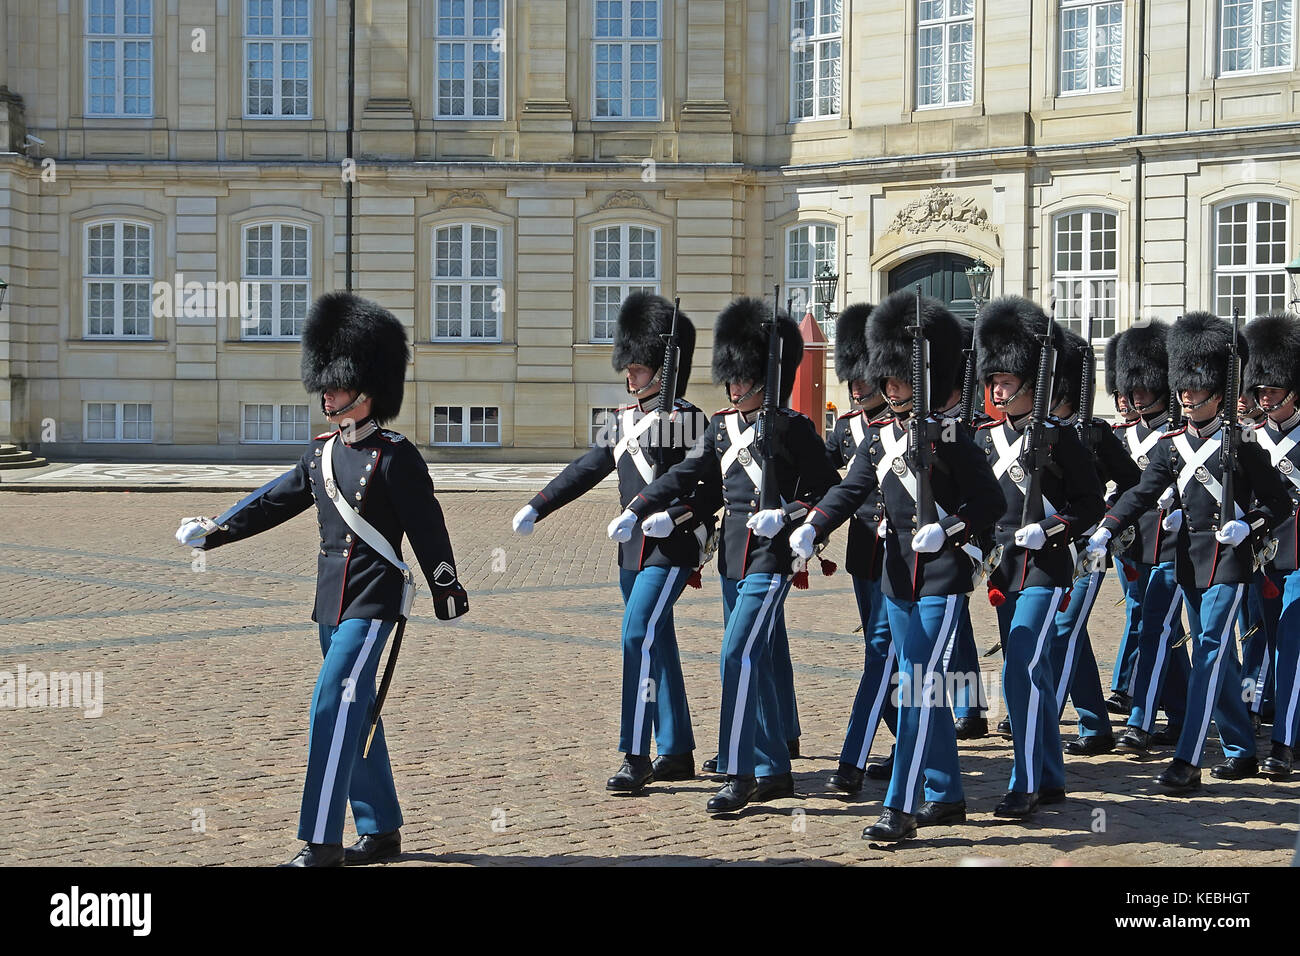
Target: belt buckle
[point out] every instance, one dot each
(331, 488)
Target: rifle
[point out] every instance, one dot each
(967, 408)
(667, 392)
(1175, 406)
(1084, 408)
(764, 440)
(1038, 437)
(921, 431)
(1231, 431)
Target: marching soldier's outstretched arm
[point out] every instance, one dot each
(841, 502)
(1115, 462)
(411, 489)
(576, 480)
(700, 466)
(1083, 505)
(1142, 497)
(1272, 500)
(982, 500)
(290, 496)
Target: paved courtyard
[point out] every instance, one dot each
(503, 726)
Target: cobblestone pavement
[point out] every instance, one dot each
(503, 727)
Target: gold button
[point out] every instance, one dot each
(363, 481)
(313, 464)
(374, 454)
(317, 452)
(368, 467)
(358, 496)
(347, 538)
(322, 550)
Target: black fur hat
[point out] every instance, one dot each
(644, 321)
(352, 343)
(889, 341)
(1007, 337)
(740, 345)
(1198, 347)
(1112, 347)
(1274, 352)
(851, 342)
(1142, 359)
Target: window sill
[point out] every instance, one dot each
(252, 344)
(957, 111)
(148, 345)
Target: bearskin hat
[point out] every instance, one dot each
(1007, 337)
(1274, 342)
(641, 335)
(1142, 359)
(1198, 347)
(352, 343)
(889, 342)
(1112, 347)
(740, 345)
(851, 342)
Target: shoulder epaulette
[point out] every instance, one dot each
(727, 411)
(393, 437)
(880, 421)
(856, 411)
(1119, 425)
(323, 437)
(990, 423)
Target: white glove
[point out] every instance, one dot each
(1166, 500)
(767, 524)
(928, 539)
(1232, 533)
(802, 540)
(881, 530)
(658, 525)
(191, 532)
(620, 529)
(524, 519)
(1096, 547)
(1031, 537)
(1173, 521)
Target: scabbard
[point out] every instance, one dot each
(384, 684)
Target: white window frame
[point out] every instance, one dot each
(817, 45)
(1092, 8)
(465, 426)
(277, 280)
(1256, 8)
(1095, 326)
(471, 41)
(119, 421)
(277, 423)
(467, 282)
(947, 23)
(119, 39)
(117, 278)
(626, 42)
(1252, 270)
(594, 429)
(623, 283)
(278, 41)
(803, 288)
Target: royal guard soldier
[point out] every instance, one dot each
(863, 556)
(370, 486)
(1217, 548)
(1054, 478)
(1074, 666)
(754, 558)
(1257, 648)
(658, 561)
(1273, 377)
(1154, 596)
(939, 494)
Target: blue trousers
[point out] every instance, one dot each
(1162, 669)
(1121, 681)
(784, 671)
(874, 700)
(340, 720)
(1215, 689)
(654, 693)
(1074, 667)
(1286, 712)
(751, 735)
(925, 757)
(1027, 621)
(963, 662)
(1259, 651)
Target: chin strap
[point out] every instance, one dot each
(638, 392)
(736, 402)
(1193, 407)
(1024, 387)
(361, 397)
(1268, 409)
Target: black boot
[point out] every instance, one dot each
(893, 825)
(1091, 746)
(775, 787)
(935, 814)
(1169, 736)
(1016, 804)
(632, 777)
(709, 766)
(793, 747)
(1119, 703)
(1004, 726)
(848, 779)
(1050, 795)
(1278, 764)
(671, 767)
(1180, 777)
(1135, 740)
(968, 728)
(318, 854)
(373, 847)
(736, 793)
(883, 770)
(1236, 768)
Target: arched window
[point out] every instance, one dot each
(624, 259)
(1250, 243)
(467, 293)
(1085, 272)
(118, 280)
(809, 247)
(277, 277)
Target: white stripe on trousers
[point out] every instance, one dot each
(1256, 705)
(1212, 692)
(642, 705)
(1166, 632)
(1031, 717)
(877, 705)
(1067, 666)
(1288, 734)
(742, 685)
(947, 627)
(340, 725)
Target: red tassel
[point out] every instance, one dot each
(1130, 572)
(801, 580)
(828, 567)
(695, 581)
(1268, 589)
(1065, 603)
(996, 597)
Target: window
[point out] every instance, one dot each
(626, 55)
(470, 40)
(603, 420)
(625, 259)
(815, 36)
(119, 267)
(119, 421)
(277, 278)
(828, 424)
(467, 291)
(807, 249)
(1255, 35)
(1092, 46)
(277, 58)
(1086, 273)
(1250, 243)
(274, 423)
(466, 425)
(119, 58)
(945, 59)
